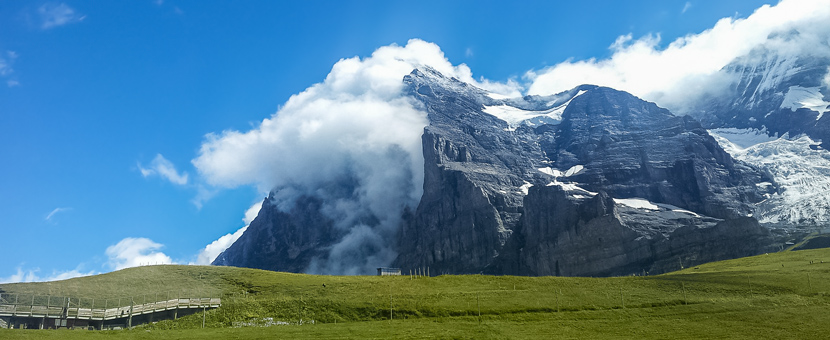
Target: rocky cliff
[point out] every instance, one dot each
(548, 196)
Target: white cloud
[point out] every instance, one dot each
(212, 250)
(6, 63)
(55, 211)
(686, 7)
(468, 52)
(676, 75)
(203, 194)
(5, 67)
(31, 275)
(352, 141)
(164, 168)
(135, 251)
(53, 15)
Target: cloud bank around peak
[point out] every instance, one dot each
(351, 141)
(688, 67)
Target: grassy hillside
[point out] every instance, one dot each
(777, 295)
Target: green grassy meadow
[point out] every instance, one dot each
(779, 295)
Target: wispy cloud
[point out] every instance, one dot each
(56, 211)
(57, 14)
(33, 275)
(164, 168)
(468, 52)
(203, 194)
(6, 63)
(6, 69)
(686, 7)
(136, 251)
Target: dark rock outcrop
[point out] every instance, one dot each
(571, 236)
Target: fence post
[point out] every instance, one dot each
(478, 304)
(622, 299)
(810, 283)
(390, 301)
(557, 300)
(130, 319)
(178, 302)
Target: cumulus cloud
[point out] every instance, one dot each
(135, 251)
(676, 75)
(32, 275)
(353, 141)
(164, 168)
(54, 14)
(56, 211)
(212, 250)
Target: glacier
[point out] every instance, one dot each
(798, 166)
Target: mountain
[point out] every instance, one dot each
(779, 93)
(774, 116)
(591, 181)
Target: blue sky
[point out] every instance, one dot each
(91, 92)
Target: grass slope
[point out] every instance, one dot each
(780, 295)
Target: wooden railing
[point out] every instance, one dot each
(66, 310)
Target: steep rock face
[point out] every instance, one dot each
(472, 178)
(282, 241)
(632, 148)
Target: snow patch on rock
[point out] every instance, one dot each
(514, 116)
(637, 203)
(805, 97)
